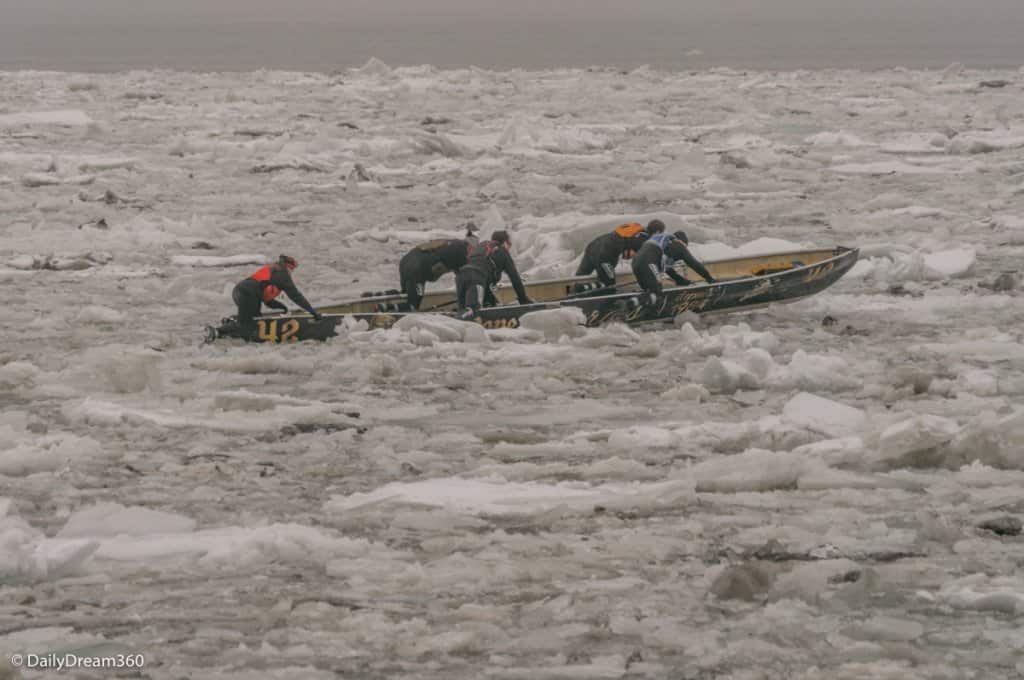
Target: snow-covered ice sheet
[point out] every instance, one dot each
(800, 492)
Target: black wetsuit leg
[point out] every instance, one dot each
(606, 273)
(471, 287)
(647, 276)
(587, 265)
(410, 272)
(248, 299)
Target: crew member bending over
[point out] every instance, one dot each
(263, 287)
(603, 253)
(483, 269)
(658, 255)
(430, 261)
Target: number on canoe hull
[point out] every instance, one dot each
(498, 323)
(271, 330)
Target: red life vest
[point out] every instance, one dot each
(269, 292)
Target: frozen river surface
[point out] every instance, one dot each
(752, 497)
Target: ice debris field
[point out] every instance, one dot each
(826, 489)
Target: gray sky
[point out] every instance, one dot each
(321, 34)
(823, 10)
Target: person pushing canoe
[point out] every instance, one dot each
(263, 287)
(483, 269)
(430, 261)
(658, 255)
(603, 253)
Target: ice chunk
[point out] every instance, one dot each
(18, 374)
(809, 581)
(61, 118)
(747, 581)
(47, 453)
(841, 451)
(97, 314)
(443, 328)
(879, 168)
(824, 415)
(214, 261)
(985, 142)
(753, 470)
(642, 437)
(40, 179)
(723, 376)
(815, 371)
(116, 367)
(980, 382)
(611, 335)
(983, 593)
(767, 245)
(555, 323)
(916, 434)
(113, 519)
(101, 164)
(687, 392)
(374, 67)
(499, 497)
(951, 263)
(885, 629)
(26, 555)
(841, 138)
(993, 439)
(759, 362)
(422, 337)
(468, 495)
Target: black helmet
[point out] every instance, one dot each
(655, 227)
(288, 261)
(681, 235)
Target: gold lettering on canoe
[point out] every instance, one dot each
(819, 271)
(498, 323)
(382, 321)
(689, 301)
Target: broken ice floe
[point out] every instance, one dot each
(217, 261)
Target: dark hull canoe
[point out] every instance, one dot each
(741, 284)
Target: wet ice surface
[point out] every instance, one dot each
(757, 496)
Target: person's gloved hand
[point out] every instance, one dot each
(317, 316)
(528, 301)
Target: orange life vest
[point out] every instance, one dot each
(628, 230)
(262, 275)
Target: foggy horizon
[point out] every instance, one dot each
(320, 35)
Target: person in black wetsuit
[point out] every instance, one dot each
(430, 261)
(263, 287)
(483, 269)
(657, 255)
(603, 253)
